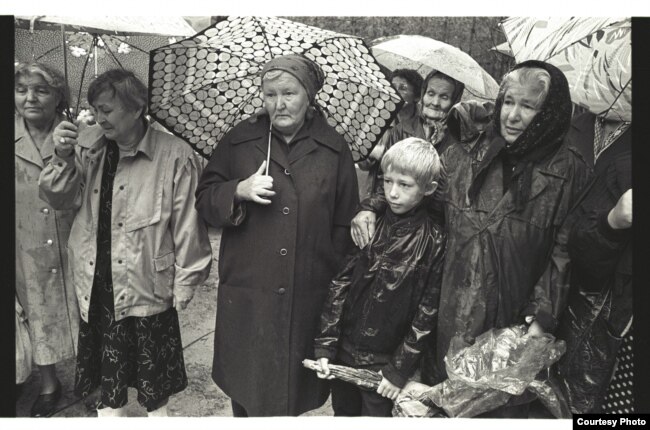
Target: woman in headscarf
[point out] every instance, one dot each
(439, 93)
(284, 236)
(43, 285)
(506, 204)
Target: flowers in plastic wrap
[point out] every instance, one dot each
(484, 376)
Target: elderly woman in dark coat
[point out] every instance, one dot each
(439, 94)
(507, 200)
(284, 235)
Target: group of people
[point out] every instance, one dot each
(477, 216)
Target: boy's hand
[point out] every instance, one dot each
(363, 228)
(324, 365)
(388, 390)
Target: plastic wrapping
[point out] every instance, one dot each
(484, 376)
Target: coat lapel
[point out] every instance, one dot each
(277, 154)
(25, 147)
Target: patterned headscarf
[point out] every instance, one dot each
(541, 139)
(308, 73)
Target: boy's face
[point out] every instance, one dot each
(402, 191)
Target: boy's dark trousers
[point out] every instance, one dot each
(348, 400)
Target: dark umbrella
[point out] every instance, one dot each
(203, 86)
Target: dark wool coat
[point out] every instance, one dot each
(275, 261)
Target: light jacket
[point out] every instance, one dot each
(160, 247)
(43, 284)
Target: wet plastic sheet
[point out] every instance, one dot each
(500, 364)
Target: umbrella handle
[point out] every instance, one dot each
(268, 151)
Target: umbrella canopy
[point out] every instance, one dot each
(203, 86)
(115, 42)
(116, 25)
(595, 54)
(425, 54)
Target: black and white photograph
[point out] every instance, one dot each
(324, 215)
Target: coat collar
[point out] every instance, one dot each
(25, 147)
(93, 137)
(313, 133)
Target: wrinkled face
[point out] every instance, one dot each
(437, 99)
(404, 88)
(520, 106)
(35, 100)
(115, 119)
(286, 101)
(402, 191)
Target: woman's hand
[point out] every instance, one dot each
(363, 228)
(256, 187)
(387, 389)
(620, 216)
(325, 370)
(65, 138)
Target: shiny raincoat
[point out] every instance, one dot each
(496, 256)
(599, 309)
(276, 260)
(43, 283)
(383, 305)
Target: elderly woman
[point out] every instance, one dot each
(506, 203)
(284, 236)
(43, 284)
(137, 247)
(439, 93)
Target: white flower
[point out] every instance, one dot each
(123, 48)
(172, 40)
(78, 51)
(100, 42)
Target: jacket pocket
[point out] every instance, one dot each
(164, 271)
(145, 196)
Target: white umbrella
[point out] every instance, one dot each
(595, 54)
(425, 54)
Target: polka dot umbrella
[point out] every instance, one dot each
(201, 87)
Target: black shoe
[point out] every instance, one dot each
(45, 404)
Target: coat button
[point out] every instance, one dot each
(283, 251)
(86, 298)
(286, 172)
(120, 224)
(95, 191)
(119, 261)
(46, 211)
(54, 270)
(49, 242)
(121, 187)
(90, 262)
(285, 211)
(281, 290)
